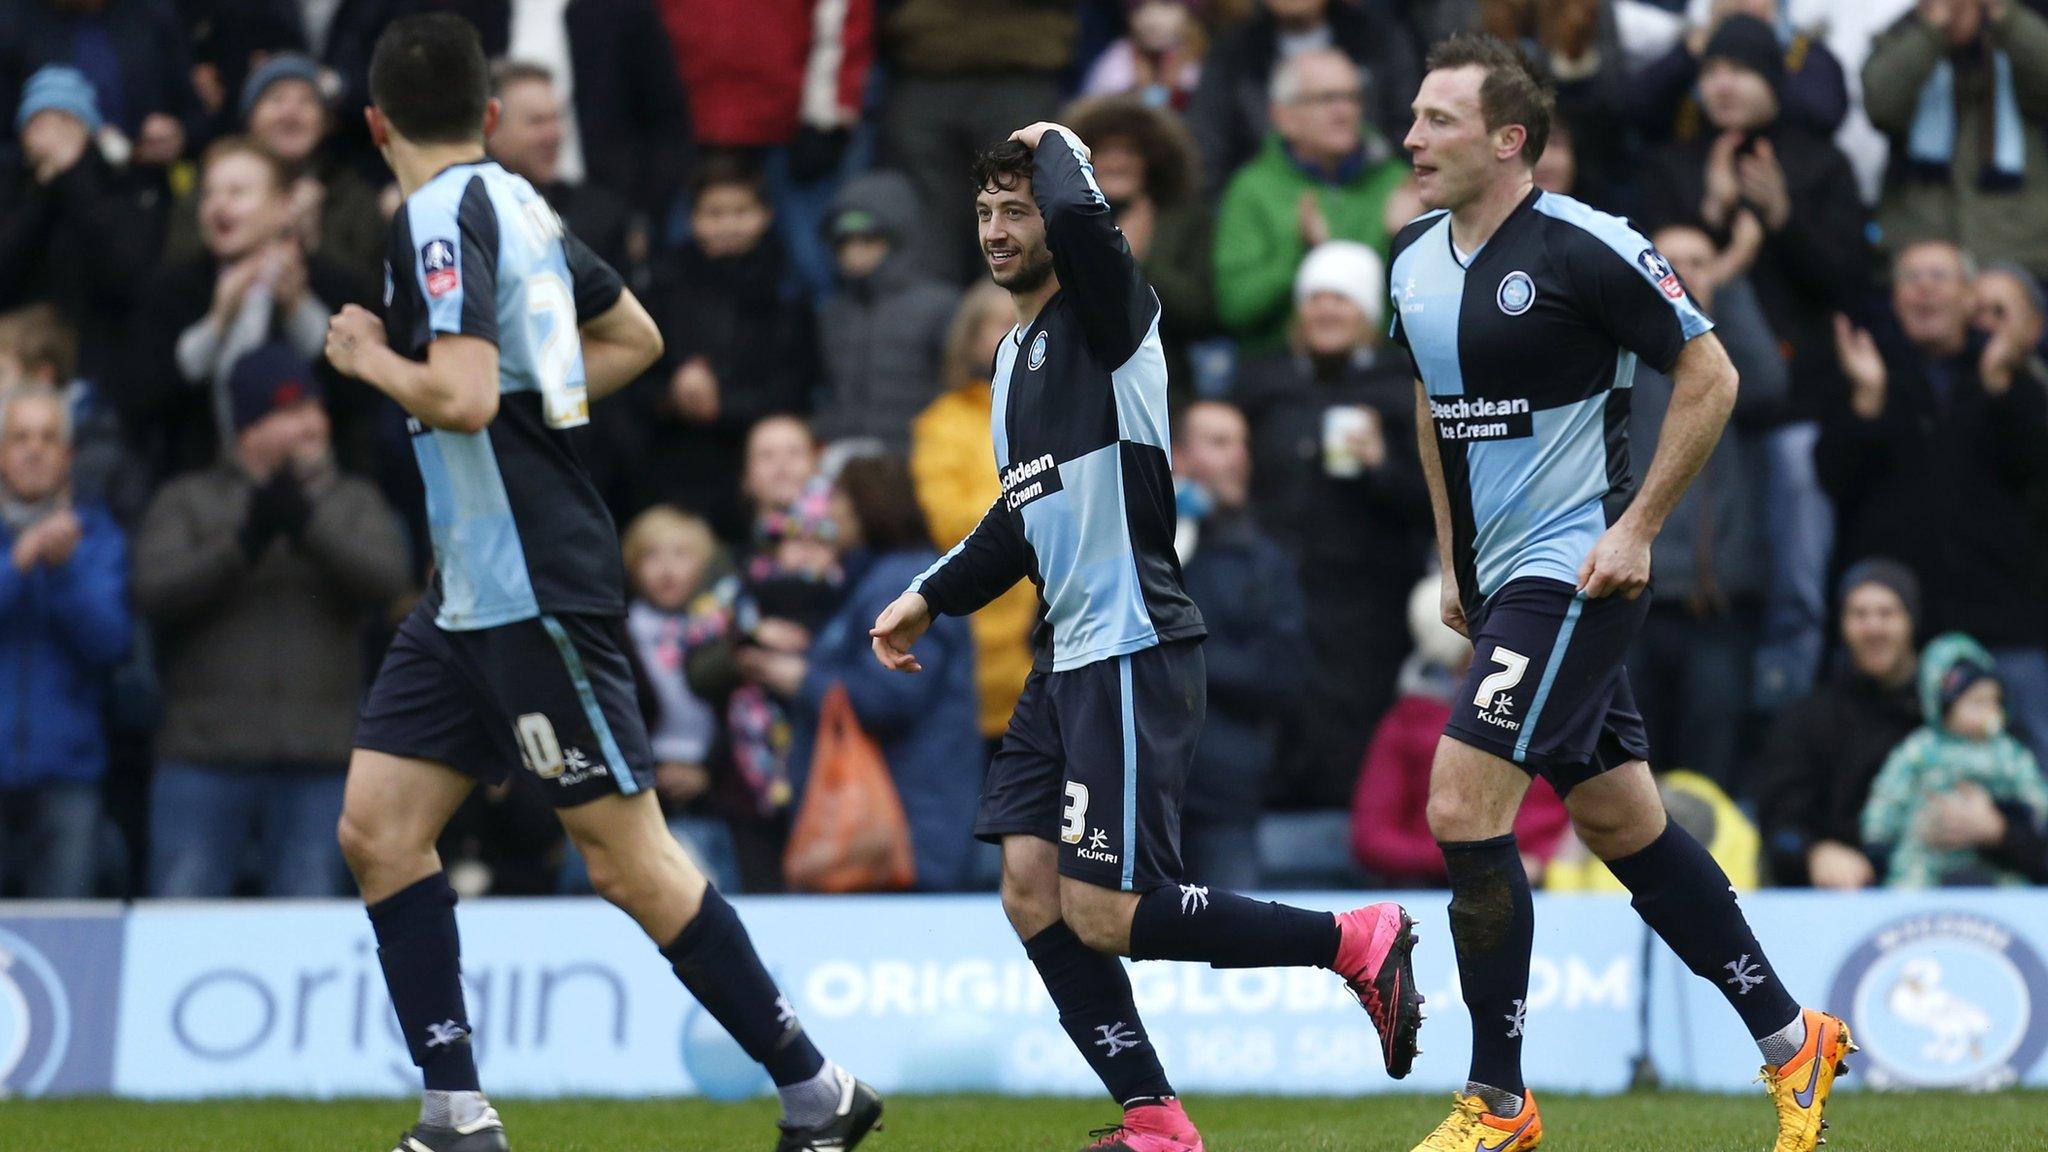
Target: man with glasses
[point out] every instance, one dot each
(1323, 174)
(1228, 115)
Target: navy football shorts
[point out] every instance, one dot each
(554, 693)
(1547, 689)
(1096, 760)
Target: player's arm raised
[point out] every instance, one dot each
(1094, 262)
(455, 388)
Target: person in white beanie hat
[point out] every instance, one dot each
(1348, 269)
(1337, 481)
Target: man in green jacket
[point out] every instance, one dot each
(1960, 88)
(1321, 175)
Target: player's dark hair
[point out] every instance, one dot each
(1157, 135)
(1516, 90)
(1002, 167)
(885, 501)
(728, 170)
(429, 79)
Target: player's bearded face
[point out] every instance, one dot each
(1013, 238)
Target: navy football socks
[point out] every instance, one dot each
(1093, 994)
(422, 960)
(1493, 926)
(1681, 893)
(1226, 930)
(715, 959)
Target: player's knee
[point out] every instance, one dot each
(1099, 917)
(354, 843)
(1612, 832)
(1454, 818)
(1031, 886)
(610, 879)
(1097, 931)
(1612, 835)
(366, 846)
(1031, 902)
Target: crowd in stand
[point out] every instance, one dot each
(206, 535)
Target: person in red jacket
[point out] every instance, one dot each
(1390, 834)
(759, 72)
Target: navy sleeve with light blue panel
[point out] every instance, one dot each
(1527, 349)
(513, 656)
(1096, 756)
(1081, 446)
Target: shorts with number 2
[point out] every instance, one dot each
(1096, 760)
(555, 694)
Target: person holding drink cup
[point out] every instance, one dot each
(1336, 480)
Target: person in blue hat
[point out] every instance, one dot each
(74, 229)
(135, 56)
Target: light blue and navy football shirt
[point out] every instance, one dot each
(518, 528)
(1528, 349)
(1079, 425)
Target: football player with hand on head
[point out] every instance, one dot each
(1084, 794)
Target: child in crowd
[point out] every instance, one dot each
(884, 325)
(1963, 743)
(790, 587)
(739, 346)
(673, 561)
(786, 585)
(668, 554)
(1160, 61)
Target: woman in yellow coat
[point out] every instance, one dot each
(956, 482)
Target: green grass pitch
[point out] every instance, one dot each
(1645, 1122)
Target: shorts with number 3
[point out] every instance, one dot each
(1096, 760)
(554, 694)
(1547, 689)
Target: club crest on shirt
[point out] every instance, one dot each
(1516, 294)
(1661, 273)
(1037, 359)
(437, 261)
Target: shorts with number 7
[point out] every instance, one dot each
(1547, 689)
